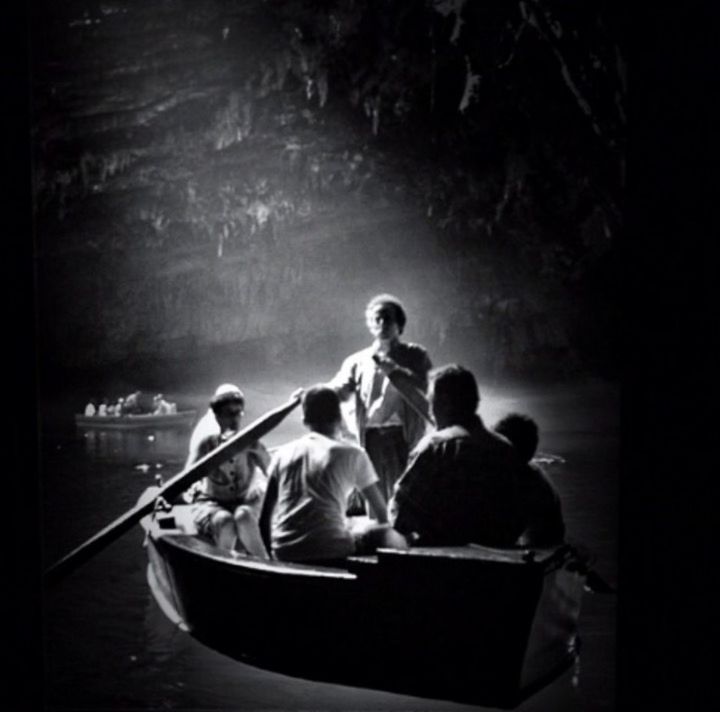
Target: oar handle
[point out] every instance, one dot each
(178, 484)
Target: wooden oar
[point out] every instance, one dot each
(171, 489)
(407, 389)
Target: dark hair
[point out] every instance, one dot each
(388, 300)
(458, 390)
(521, 431)
(321, 405)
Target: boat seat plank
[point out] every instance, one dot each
(473, 552)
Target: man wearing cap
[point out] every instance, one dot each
(232, 494)
(386, 425)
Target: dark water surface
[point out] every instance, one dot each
(108, 647)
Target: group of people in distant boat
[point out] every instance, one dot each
(136, 403)
(425, 477)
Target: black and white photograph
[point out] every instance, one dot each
(327, 355)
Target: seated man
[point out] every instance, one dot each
(540, 502)
(460, 485)
(232, 495)
(160, 405)
(310, 481)
(137, 403)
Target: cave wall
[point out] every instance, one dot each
(243, 172)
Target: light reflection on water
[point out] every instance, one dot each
(126, 446)
(109, 647)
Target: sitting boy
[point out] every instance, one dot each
(231, 495)
(540, 502)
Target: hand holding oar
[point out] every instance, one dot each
(404, 385)
(178, 484)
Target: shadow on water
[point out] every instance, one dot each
(107, 646)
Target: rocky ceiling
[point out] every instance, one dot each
(239, 170)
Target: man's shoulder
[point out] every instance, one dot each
(474, 435)
(206, 443)
(411, 349)
(332, 448)
(345, 448)
(412, 346)
(438, 438)
(412, 356)
(291, 445)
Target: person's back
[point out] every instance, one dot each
(539, 501)
(131, 405)
(460, 487)
(309, 484)
(315, 475)
(160, 405)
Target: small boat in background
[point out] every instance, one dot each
(470, 624)
(141, 421)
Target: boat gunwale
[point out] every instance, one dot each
(193, 544)
(136, 417)
(134, 421)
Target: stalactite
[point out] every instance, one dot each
(472, 83)
(545, 28)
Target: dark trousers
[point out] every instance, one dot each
(388, 452)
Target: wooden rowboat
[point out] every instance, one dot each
(135, 422)
(469, 624)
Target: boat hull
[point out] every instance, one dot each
(464, 624)
(135, 422)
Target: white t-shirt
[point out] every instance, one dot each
(315, 476)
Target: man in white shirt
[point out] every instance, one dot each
(385, 423)
(310, 481)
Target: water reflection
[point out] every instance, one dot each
(148, 448)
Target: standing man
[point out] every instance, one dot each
(462, 483)
(310, 481)
(386, 425)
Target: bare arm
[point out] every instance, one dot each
(193, 456)
(345, 382)
(269, 501)
(376, 502)
(411, 503)
(259, 455)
